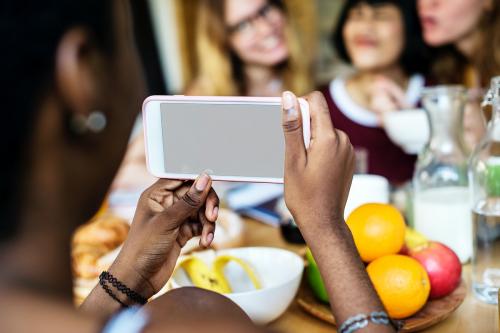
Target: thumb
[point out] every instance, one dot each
(295, 150)
(190, 203)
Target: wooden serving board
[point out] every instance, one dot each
(433, 312)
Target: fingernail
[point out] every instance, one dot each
(289, 106)
(215, 212)
(210, 238)
(291, 114)
(202, 182)
(288, 100)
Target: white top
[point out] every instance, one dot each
(361, 115)
(130, 320)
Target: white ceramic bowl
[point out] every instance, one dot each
(279, 272)
(408, 128)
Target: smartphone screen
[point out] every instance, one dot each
(232, 140)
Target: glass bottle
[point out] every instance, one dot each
(484, 178)
(441, 195)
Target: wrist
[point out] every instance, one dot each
(320, 223)
(127, 275)
(327, 233)
(104, 303)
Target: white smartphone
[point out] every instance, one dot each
(233, 138)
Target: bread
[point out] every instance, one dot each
(93, 241)
(108, 231)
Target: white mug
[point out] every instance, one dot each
(367, 189)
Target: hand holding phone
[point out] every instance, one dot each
(316, 188)
(233, 138)
(318, 179)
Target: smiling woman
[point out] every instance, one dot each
(250, 47)
(382, 40)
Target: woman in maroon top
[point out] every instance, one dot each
(382, 40)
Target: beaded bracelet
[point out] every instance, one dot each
(360, 321)
(110, 293)
(132, 295)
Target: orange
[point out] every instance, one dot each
(377, 229)
(401, 283)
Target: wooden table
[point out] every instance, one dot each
(471, 316)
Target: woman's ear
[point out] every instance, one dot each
(77, 82)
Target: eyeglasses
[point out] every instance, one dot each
(246, 27)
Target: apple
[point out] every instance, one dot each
(442, 266)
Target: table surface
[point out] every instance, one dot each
(471, 316)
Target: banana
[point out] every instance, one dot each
(223, 260)
(213, 278)
(414, 238)
(203, 276)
